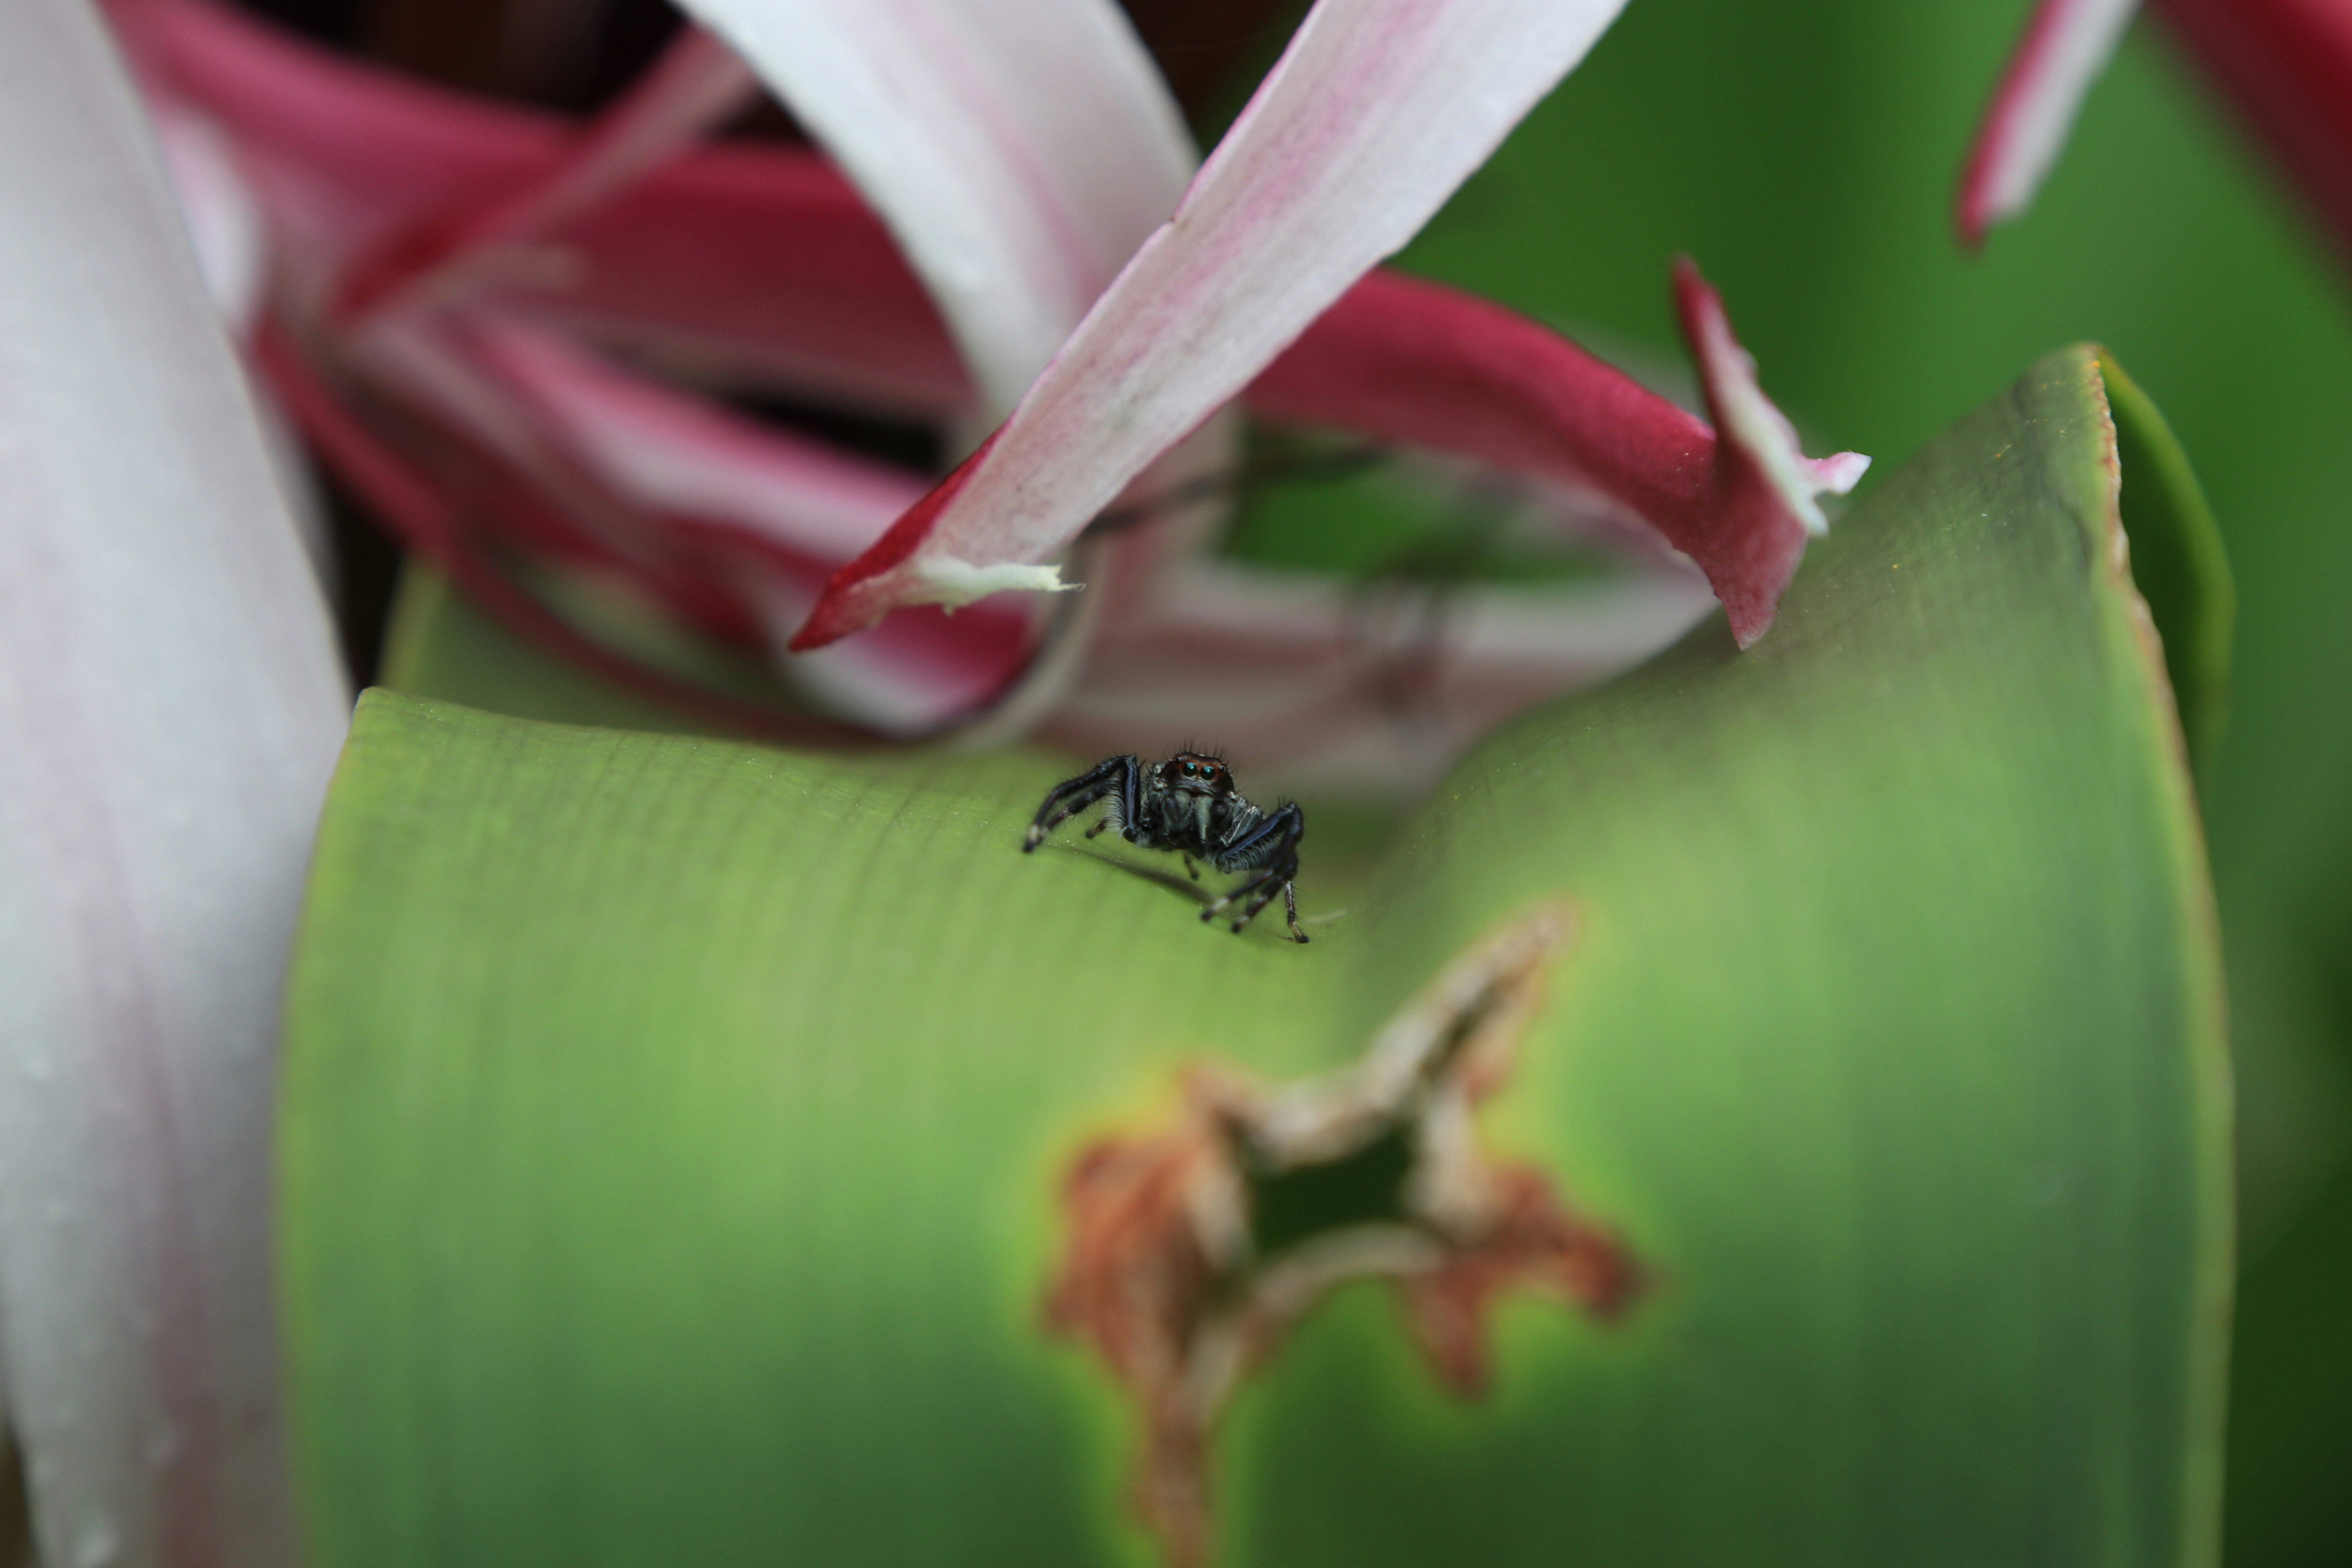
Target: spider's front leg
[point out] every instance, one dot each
(1266, 891)
(1275, 841)
(1120, 775)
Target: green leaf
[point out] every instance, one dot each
(673, 1130)
(2178, 563)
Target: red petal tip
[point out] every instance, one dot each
(855, 599)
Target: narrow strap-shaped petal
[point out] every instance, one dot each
(169, 709)
(1765, 485)
(758, 263)
(669, 450)
(1368, 688)
(1423, 364)
(779, 512)
(2066, 45)
(410, 505)
(712, 517)
(1376, 110)
(1020, 150)
(1415, 362)
(697, 81)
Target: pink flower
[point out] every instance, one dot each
(467, 298)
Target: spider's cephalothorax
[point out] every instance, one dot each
(1189, 804)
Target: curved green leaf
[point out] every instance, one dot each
(2177, 561)
(673, 1129)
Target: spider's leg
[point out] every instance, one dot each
(1281, 831)
(1130, 809)
(1267, 889)
(1215, 910)
(1069, 797)
(1277, 839)
(1100, 823)
(1190, 869)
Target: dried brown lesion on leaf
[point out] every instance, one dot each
(1193, 1246)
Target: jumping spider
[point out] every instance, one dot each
(1188, 803)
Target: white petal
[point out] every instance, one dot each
(169, 709)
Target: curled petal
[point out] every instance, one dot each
(1765, 485)
(754, 264)
(413, 507)
(1415, 362)
(1376, 110)
(695, 83)
(731, 525)
(2066, 45)
(795, 511)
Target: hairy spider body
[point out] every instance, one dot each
(1189, 804)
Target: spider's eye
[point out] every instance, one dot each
(1190, 770)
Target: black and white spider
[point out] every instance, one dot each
(1188, 803)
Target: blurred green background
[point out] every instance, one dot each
(1805, 154)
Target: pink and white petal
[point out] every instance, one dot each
(245, 69)
(755, 265)
(667, 455)
(697, 82)
(1320, 684)
(2067, 44)
(1020, 150)
(1376, 111)
(931, 679)
(171, 706)
(659, 485)
(1765, 485)
(340, 154)
(1419, 364)
(421, 515)
(671, 452)
(757, 268)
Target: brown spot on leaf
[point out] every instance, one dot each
(1192, 1247)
